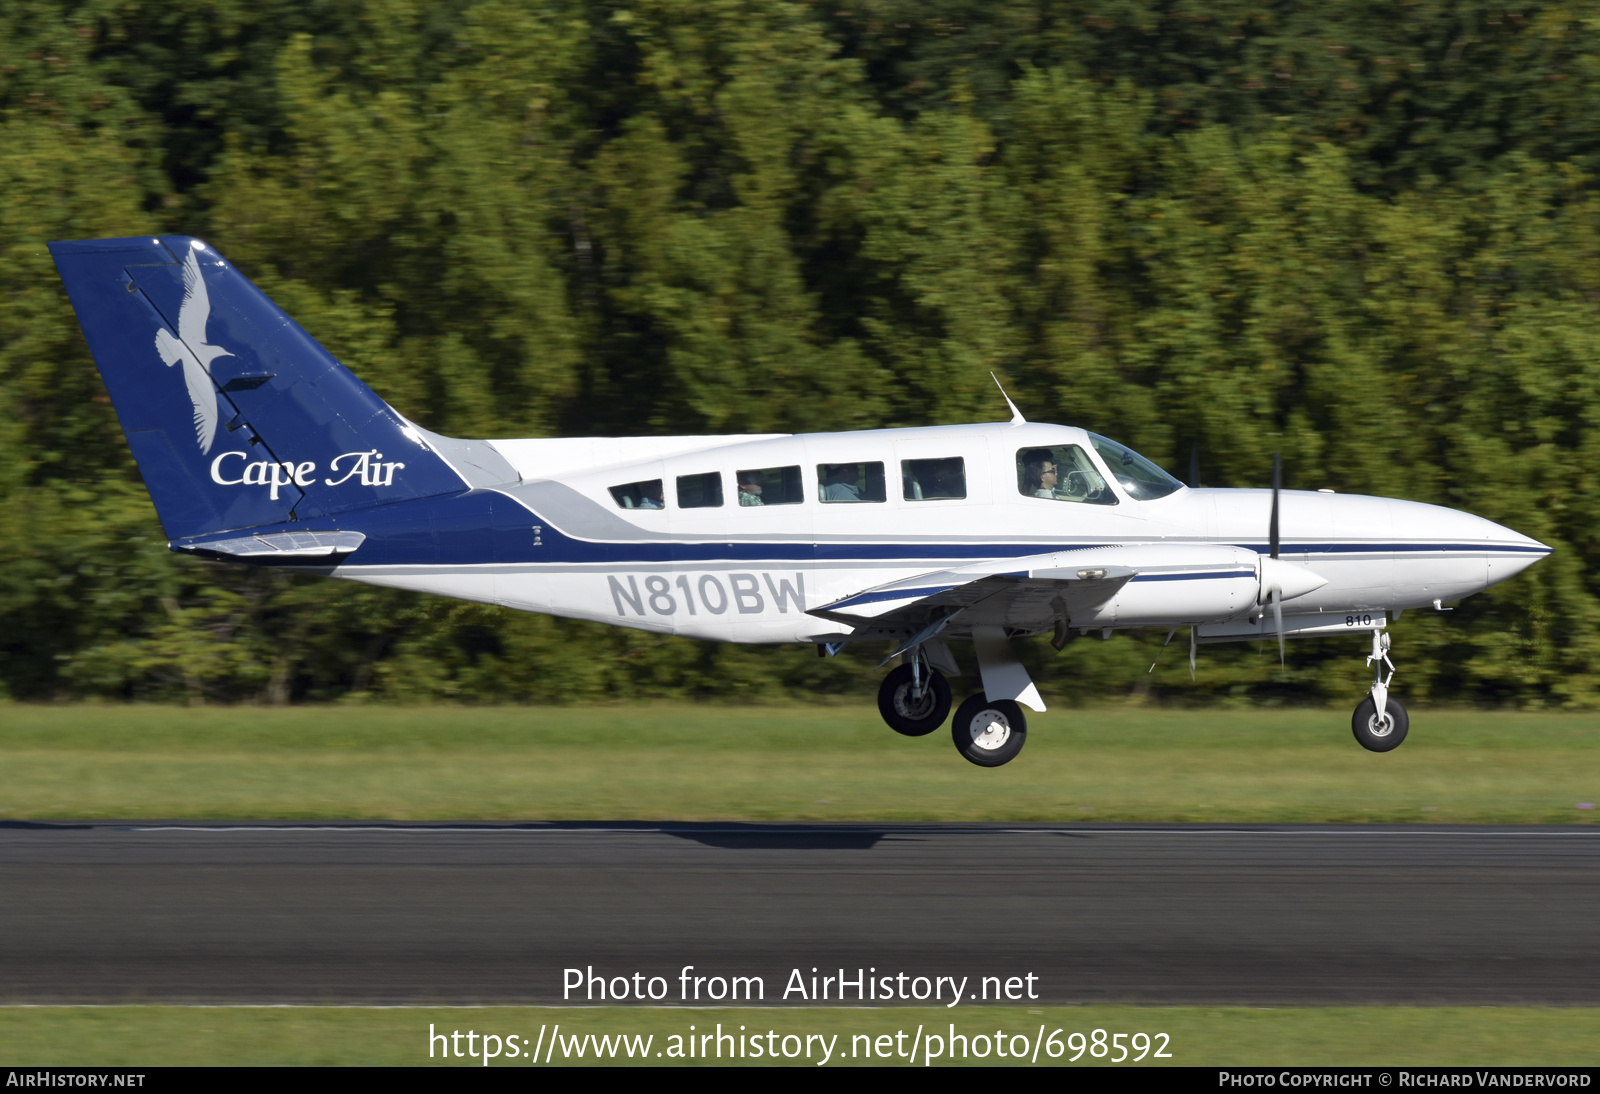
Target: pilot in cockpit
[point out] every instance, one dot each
(1040, 474)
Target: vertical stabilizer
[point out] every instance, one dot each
(237, 417)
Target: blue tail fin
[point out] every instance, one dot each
(236, 416)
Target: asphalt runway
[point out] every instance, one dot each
(352, 913)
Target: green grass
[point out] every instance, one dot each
(1213, 1036)
(820, 763)
(823, 763)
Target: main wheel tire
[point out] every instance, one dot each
(989, 733)
(1380, 734)
(906, 713)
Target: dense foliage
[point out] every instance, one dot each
(1365, 234)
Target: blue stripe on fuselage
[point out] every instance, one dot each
(889, 594)
(484, 527)
(1193, 577)
(1393, 548)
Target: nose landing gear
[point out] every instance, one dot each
(1380, 721)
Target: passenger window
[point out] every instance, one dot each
(639, 495)
(700, 491)
(770, 486)
(928, 480)
(1062, 473)
(850, 482)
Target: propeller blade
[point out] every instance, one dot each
(1191, 654)
(1277, 482)
(1159, 652)
(1277, 621)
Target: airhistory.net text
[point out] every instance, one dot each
(831, 986)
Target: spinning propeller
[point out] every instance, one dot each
(1275, 591)
(1281, 580)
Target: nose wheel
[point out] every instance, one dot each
(1380, 721)
(1380, 733)
(914, 699)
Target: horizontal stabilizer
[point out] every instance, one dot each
(280, 546)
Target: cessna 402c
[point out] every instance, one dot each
(258, 446)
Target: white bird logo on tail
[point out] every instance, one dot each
(191, 348)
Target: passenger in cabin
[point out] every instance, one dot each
(840, 483)
(946, 479)
(638, 495)
(936, 478)
(1040, 474)
(749, 488)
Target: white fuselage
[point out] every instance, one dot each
(747, 573)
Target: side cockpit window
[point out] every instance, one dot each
(700, 491)
(850, 482)
(1061, 473)
(639, 495)
(770, 486)
(931, 480)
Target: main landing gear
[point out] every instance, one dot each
(989, 732)
(1380, 722)
(914, 699)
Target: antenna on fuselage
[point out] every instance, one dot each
(1016, 415)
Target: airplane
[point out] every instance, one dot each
(264, 449)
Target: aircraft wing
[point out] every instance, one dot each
(1031, 594)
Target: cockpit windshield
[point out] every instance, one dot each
(1138, 477)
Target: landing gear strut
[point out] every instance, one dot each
(1380, 722)
(914, 698)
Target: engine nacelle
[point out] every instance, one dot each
(1170, 583)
